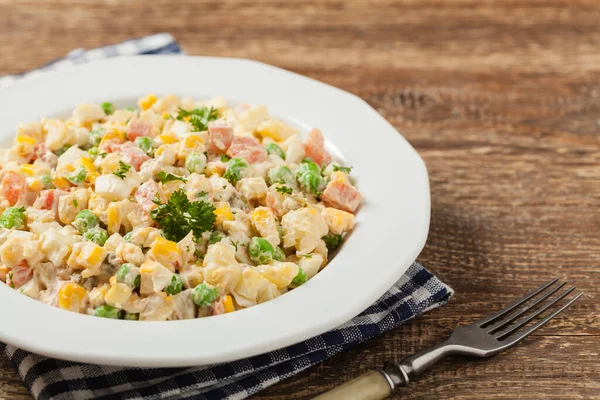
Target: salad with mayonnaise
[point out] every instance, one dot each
(173, 209)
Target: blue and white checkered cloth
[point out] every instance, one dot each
(416, 292)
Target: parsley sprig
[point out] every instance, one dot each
(284, 189)
(179, 216)
(199, 117)
(343, 169)
(123, 169)
(165, 177)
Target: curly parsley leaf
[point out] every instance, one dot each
(179, 216)
(199, 117)
(284, 189)
(343, 169)
(123, 169)
(165, 177)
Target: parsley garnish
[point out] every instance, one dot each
(307, 256)
(199, 117)
(108, 108)
(235, 244)
(132, 109)
(225, 158)
(165, 177)
(284, 189)
(75, 202)
(10, 276)
(343, 169)
(123, 169)
(179, 216)
(202, 194)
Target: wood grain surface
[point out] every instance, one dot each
(501, 99)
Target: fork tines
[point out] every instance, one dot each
(510, 321)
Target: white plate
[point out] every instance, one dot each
(391, 229)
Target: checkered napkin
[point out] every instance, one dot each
(416, 292)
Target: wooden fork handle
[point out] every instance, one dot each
(371, 385)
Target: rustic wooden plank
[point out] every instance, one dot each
(502, 100)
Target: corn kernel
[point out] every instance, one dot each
(228, 304)
(71, 297)
(214, 168)
(165, 252)
(147, 102)
(96, 255)
(61, 183)
(36, 185)
(168, 138)
(166, 115)
(28, 169)
(223, 213)
(25, 140)
(91, 177)
(192, 141)
(88, 164)
(113, 135)
(274, 129)
(160, 150)
(113, 219)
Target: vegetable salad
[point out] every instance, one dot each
(173, 209)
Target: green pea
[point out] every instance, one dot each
(215, 237)
(78, 177)
(195, 162)
(308, 176)
(312, 182)
(129, 274)
(204, 295)
(144, 143)
(272, 148)
(85, 220)
(96, 136)
(307, 165)
(235, 169)
(96, 235)
(261, 251)
(106, 311)
(131, 317)
(13, 218)
(279, 255)
(300, 279)
(176, 285)
(131, 109)
(332, 241)
(47, 181)
(280, 175)
(108, 108)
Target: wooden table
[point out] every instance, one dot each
(502, 100)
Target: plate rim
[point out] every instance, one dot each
(110, 357)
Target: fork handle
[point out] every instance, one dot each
(379, 384)
(372, 385)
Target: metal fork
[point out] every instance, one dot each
(484, 338)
